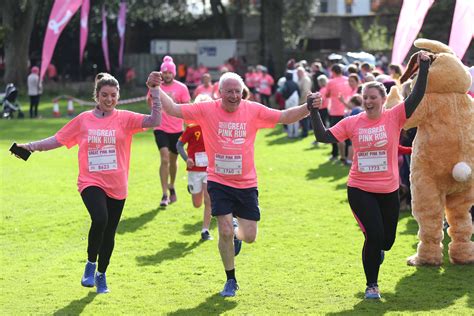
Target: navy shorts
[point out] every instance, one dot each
(167, 140)
(241, 203)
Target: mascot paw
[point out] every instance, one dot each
(461, 252)
(416, 260)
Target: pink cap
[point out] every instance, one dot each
(34, 70)
(168, 65)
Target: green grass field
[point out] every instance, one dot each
(307, 258)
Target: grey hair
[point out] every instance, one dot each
(322, 79)
(231, 75)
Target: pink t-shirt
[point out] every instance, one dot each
(201, 89)
(375, 142)
(180, 94)
(104, 149)
(325, 100)
(230, 137)
(338, 86)
(265, 84)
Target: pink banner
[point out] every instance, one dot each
(121, 29)
(105, 45)
(462, 30)
(60, 15)
(84, 28)
(409, 24)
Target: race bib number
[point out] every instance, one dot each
(102, 159)
(228, 164)
(372, 161)
(200, 159)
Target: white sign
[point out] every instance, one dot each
(158, 47)
(213, 53)
(182, 47)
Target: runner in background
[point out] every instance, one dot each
(196, 165)
(167, 134)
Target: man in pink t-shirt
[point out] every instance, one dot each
(229, 126)
(168, 133)
(337, 86)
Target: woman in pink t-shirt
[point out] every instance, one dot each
(104, 137)
(373, 182)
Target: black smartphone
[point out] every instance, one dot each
(20, 152)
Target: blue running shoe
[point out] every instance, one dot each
(88, 277)
(229, 288)
(101, 283)
(382, 256)
(372, 292)
(237, 242)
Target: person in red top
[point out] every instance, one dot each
(196, 162)
(104, 136)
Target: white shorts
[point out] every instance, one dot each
(195, 181)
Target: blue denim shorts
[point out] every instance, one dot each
(241, 203)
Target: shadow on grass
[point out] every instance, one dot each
(276, 131)
(175, 250)
(76, 307)
(284, 140)
(331, 171)
(427, 289)
(213, 305)
(131, 225)
(192, 229)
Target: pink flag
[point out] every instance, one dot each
(462, 31)
(121, 29)
(60, 15)
(84, 28)
(105, 45)
(409, 24)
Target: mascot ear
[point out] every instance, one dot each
(411, 68)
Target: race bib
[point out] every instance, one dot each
(228, 164)
(372, 161)
(200, 159)
(102, 159)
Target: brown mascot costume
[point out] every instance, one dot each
(442, 181)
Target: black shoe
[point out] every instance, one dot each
(206, 236)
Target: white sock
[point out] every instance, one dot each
(204, 230)
(99, 273)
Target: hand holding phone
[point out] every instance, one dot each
(20, 152)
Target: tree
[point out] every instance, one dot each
(18, 20)
(271, 35)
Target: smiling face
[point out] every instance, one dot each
(107, 98)
(373, 102)
(231, 92)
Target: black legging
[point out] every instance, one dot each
(34, 101)
(377, 215)
(105, 214)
